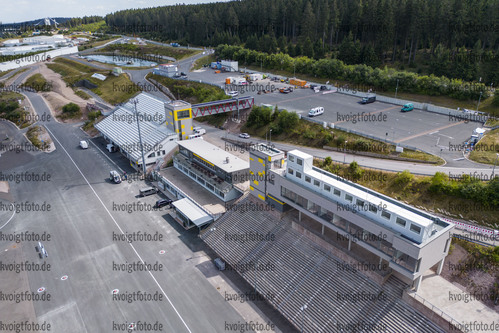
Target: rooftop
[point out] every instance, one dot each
(179, 103)
(215, 155)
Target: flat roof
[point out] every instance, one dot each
(214, 155)
(300, 154)
(373, 199)
(264, 148)
(178, 103)
(192, 212)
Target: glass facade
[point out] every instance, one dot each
(375, 241)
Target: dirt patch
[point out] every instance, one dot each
(61, 95)
(235, 127)
(481, 284)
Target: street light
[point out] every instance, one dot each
(270, 135)
(481, 92)
(344, 151)
(294, 69)
(397, 88)
(303, 308)
(135, 101)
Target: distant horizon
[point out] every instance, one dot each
(23, 10)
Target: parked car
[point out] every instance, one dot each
(147, 191)
(84, 144)
(286, 90)
(316, 111)
(312, 86)
(368, 99)
(407, 107)
(163, 202)
(232, 93)
(244, 135)
(115, 177)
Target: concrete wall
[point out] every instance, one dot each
(40, 57)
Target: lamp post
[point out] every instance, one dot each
(397, 88)
(270, 136)
(479, 98)
(294, 69)
(303, 308)
(344, 152)
(135, 101)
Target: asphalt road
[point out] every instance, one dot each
(81, 222)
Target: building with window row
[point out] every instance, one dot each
(405, 240)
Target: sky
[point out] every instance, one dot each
(26, 10)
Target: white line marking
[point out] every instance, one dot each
(121, 230)
(103, 153)
(13, 213)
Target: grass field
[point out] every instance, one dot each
(487, 149)
(113, 90)
(37, 82)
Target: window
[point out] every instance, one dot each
(298, 174)
(415, 228)
(308, 179)
(327, 188)
(316, 183)
(373, 208)
(299, 161)
(337, 192)
(400, 222)
(348, 197)
(151, 155)
(182, 114)
(360, 204)
(386, 215)
(291, 158)
(290, 171)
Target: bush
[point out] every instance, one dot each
(404, 178)
(70, 108)
(93, 115)
(355, 171)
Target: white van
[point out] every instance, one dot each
(200, 131)
(316, 111)
(147, 191)
(196, 135)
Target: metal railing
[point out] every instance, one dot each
(439, 312)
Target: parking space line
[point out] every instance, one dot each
(121, 230)
(103, 153)
(428, 132)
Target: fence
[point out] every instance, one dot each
(332, 125)
(439, 312)
(33, 59)
(422, 106)
(164, 183)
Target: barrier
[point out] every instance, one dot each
(39, 57)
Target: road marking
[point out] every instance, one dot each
(103, 153)
(121, 230)
(428, 132)
(13, 213)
